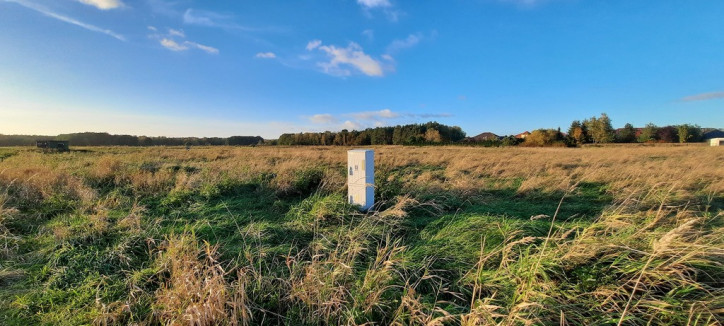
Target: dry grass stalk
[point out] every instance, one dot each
(196, 292)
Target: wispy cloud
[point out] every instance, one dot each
(175, 32)
(385, 6)
(163, 7)
(408, 42)
(703, 97)
(266, 55)
(205, 48)
(173, 45)
(369, 34)
(203, 18)
(185, 45)
(375, 115)
(341, 61)
(322, 118)
(366, 119)
(525, 3)
(213, 19)
(169, 41)
(47, 12)
(104, 4)
(374, 3)
(313, 44)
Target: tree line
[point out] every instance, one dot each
(106, 139)
(412, 134)
(598, 130)
(594, 130)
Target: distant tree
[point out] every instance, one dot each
(649, 133)
(600, 129)
(145, 141)
(542, 137)
(627, 134)
(689, 133)
(242, 140)
(432, 136)
(668, 134)
(510, 141)
(577, 134)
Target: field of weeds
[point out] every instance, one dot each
(497, 236)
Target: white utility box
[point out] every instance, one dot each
(361, 177)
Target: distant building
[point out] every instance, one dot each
(711, 134)
(522, 135)
(716, 142)
(53, 145)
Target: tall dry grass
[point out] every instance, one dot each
(652, 255)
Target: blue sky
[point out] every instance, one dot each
(221, 68)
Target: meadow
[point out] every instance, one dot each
(613, 235)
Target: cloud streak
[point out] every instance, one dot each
(213, 19)
(703, 97)
(384, 5)
(374, 3)
(168, 41)
(406, 43)
(366, 119)
(342, 60)
(322, 118)
(104, 4)
(266, 55)
(47, 12)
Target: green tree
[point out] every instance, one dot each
(600, 129)
(577, 134)
(689, 133)
(627, 134)
(542, 137)
(649, 133)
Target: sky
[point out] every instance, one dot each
(223, 68)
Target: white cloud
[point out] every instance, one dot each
(703, 97)
(103, 4)
(205, 48)
(266, 55)
(176, 32)
(374, 3)
(525, 3)
(175, 46)
(410, 41)
(385, 6)
(200, 18)
(387, 57)
(170, 42)
(375, 115)
(341, 59)
(366, 119)
(322, 118)
(163, 7)
(351, 125)
(370, 34)
(47, 12)
(212, 19)
(172, 45)
(313, 44)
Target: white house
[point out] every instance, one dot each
(716, 142)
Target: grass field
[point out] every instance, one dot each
(627, 235)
